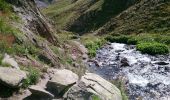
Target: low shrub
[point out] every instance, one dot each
(118, 39)
(132, 41)
(32, 77)
(152, 48)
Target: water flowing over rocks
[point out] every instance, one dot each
(145, 76)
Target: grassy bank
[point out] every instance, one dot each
(146, 43)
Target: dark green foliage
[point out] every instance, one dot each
(153, 48)
(132, 41)
(44, 59)
(96, 18)
(4, 6)
(32, 77)
(6, 92)
(118, 39)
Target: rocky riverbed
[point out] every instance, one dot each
(146, 77)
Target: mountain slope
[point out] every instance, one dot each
(85, 15)
(147, 16)
(111, 16)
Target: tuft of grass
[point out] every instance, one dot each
(153, 48)
(121, 86)
(95, 97)
(32, 77)
(93, 46)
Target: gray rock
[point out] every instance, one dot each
(11, 77)
(41, 92)
(61, 81)
(90, 85)
(124, 62)
(10, 61)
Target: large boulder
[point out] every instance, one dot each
(10, 61)
(61, 81)
(40, 92)
(92, 85)
(11, 77)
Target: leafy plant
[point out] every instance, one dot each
(32, 77)
(93, 46)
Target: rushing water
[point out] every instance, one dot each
(146, 77)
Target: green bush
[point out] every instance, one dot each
(32, 77)
(132, 41)
(152, 48)
(118, 39)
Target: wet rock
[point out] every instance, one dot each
(124, 62)
(10, 61)
(61, 81)
(167, 68)
(161, 63)
(11, 77)
(92, 84)
(39, 91)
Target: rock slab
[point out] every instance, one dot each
(9, 60)
(41, 92)
(93, 85)
(11, 77)
(61, 80)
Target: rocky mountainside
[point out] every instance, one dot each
(111, 16)
(37, 63)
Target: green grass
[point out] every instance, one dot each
(121, 86)
(118, 39)
(95, 97)
(93, 46)
(146, 43)
(92, 43)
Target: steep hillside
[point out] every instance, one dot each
(29, 47)
(111, 16)
(85, 15)
(147, 16)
